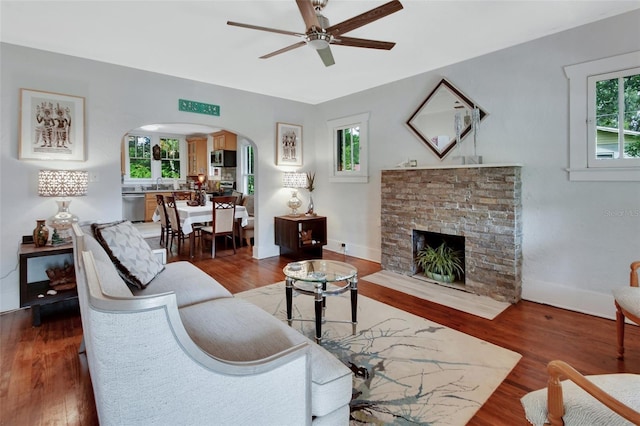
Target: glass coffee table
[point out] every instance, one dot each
(321, 278)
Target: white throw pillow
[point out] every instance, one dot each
(128, 250)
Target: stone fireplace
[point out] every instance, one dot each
(481, 203)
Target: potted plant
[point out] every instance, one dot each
(442, 263)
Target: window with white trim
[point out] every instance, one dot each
(614, 119)
(604, 119)
(247, 171)
(140, 164)
(349, 142)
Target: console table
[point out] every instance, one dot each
(30, 291)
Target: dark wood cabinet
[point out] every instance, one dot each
(301, 237)
(34, 294)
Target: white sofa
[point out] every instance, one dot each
(184, 351)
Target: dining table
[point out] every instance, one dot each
(189, 215)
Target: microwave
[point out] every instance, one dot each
(223, 158)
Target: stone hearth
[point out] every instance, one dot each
(482, 203)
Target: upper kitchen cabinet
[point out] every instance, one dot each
(225, 140)
(196, 155)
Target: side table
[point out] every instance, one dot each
(301, 237)
(30, 291)
(321, 278)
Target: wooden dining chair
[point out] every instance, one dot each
(165, 225)
(174, 220)
(182, 195)
(223, 223)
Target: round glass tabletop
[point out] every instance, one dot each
(320, 271)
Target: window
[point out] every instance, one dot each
(604, 119)
(170, 158)
(349, 137)
(139, 157)
(614, 133)
(248, 177)
(144, 165)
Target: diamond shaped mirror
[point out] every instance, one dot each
(445, 118)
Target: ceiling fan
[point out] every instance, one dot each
(319, 34)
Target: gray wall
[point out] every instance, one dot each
(118, 99)
(574, 252)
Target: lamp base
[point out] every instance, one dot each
(62, 221)
(294, 203)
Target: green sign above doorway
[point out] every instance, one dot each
(198, 107)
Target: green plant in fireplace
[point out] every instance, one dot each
(442, 263)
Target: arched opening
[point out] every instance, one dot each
(171, 156)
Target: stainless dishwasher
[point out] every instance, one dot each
(133, 207)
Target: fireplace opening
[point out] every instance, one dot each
(422, 239)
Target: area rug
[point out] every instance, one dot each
(481, 306)
(407, 370)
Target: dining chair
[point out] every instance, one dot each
(174, 220)
(627, 301)
(223, 223)
(182, 195)
(248, 230)
(165, 226)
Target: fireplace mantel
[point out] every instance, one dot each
(480, 202)
(455, 166)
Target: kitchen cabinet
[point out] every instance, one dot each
(225, 140)
(301, 237)
(196, 156)
(151, 203)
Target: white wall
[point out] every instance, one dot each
(574, 252)
(119, 99)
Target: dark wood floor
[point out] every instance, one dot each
(45, 381)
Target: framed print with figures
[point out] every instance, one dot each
(288, 145)
(51, 126)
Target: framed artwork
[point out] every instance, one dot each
(216, 173)
(288, 145)
(51, 126)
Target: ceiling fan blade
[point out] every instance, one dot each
(361, 42)
(326, 56)
(271, 30)
(365, 18)
(308, 14)
(284, 49)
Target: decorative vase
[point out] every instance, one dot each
(310, 208)
(202, 197)
(40, 234)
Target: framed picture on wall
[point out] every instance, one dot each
(51, 126)
(288, 145)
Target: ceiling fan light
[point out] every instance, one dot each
(318, 41)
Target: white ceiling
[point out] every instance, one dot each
(190, 39)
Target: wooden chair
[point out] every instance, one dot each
(627, 301)
(165, 225)
(182, 195)
(248, 231)
(223, 223)
(571, 402)
(174, 220)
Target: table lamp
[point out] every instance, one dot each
(294, 181)
(63, 184)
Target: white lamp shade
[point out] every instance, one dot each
(62, 183)
(294, 180)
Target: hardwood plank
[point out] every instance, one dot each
(45, 381)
